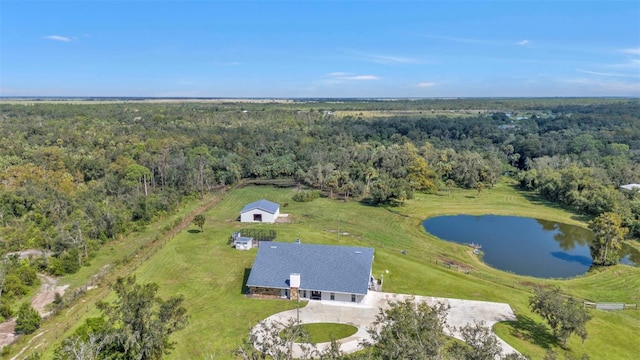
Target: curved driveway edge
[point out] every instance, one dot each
(362, 316)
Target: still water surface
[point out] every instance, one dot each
(524, 246)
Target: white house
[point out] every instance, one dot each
(312, 272)
(261, 211)
(631, 187)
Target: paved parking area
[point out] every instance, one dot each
(363, 315)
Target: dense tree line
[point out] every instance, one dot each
(75, 176)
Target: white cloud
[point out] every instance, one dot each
(601, 73)
(632, 51)
(58, 38)
(347, 76)
(362, 77)
(337, 74)
(385, 59)
(426, 84)
(466, 40)
(633, 64)
(497, 42)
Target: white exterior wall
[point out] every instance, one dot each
(266, 217)
(243, 246)
(326, 296)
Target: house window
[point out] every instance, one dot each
(353, 297)
(304, 294)
(333, 296)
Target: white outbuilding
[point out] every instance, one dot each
(243, 243)
(261, 211)
(631, 187)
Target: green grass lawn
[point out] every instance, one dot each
(210, 273)
(54, 329)
(325, 332)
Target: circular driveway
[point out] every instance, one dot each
(362, 316)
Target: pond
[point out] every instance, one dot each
(524, 246)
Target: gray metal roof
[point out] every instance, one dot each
(263, 204)
(344, 269)
(243, 240)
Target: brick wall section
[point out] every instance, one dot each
(293, 293)
(265, 292)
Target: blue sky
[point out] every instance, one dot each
(319, 48)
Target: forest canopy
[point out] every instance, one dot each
(75, 175)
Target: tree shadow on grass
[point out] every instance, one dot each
(367, 201)
(244, 289)
(193, 231)
(584, 218)
(529, 330)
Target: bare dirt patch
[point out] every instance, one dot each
(46, 296)
(7, 334)
(453, 263)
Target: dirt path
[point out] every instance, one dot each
(7, 334)
(49, 285)
(46, 296)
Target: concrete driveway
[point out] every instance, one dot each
(363, 315)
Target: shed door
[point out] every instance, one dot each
(257, 217)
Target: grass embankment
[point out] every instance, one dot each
(116, 258)
(210, 274)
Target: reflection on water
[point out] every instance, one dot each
(580, 259)
(567, 236)
(525, 246)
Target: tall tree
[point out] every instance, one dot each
(420, 176)
(564, 314)
(136, 326)
(201, 158)
(609, 233)
(409, 330)
(198, 221)
(275, 340)
(480, 343)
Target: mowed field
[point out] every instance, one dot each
(210, 273)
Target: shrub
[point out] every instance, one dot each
(28, 319)
(57, 298)
(5, 309)
(66, 263)
(306, 196)
(13, 287)
(26, 274)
